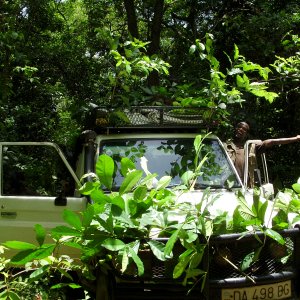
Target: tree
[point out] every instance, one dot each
(57, 60)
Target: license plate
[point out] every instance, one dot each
(281, 290)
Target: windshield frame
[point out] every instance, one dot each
(121, 139)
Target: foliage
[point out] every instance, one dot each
(118, 227)
(289, 68)
(220, 89)
(132, 69)
(71, 48)
(19, 283)
(59, 58)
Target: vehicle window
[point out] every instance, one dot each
(34, 171)
(172, 157)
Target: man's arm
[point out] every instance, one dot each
(273, 142)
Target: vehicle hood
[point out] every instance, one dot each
(218, 202)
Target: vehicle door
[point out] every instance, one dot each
(37, 184)
(256, 170)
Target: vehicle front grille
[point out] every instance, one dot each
(272, 258)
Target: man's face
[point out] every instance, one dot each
(241, 131)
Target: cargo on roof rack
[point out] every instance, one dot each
(150, 117)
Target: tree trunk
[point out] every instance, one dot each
(131, 18)
(155, 37)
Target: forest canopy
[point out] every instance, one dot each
(60, 58)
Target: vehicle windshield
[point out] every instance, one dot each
(173, 157)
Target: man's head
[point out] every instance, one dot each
(241, 131)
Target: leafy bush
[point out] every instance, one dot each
(117, 228)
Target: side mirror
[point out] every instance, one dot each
(60, 201)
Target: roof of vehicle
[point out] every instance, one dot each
(151, 118)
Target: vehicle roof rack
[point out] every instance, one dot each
(150, 117)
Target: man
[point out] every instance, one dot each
(235, 147)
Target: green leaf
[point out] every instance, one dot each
(130, 181)
(296, 219)
(247, 261)
(128, 68)
(87, 188)
(240, 82)
(200, 45)
(17, 245)
(64, 231)
(148, 180)
(40, 233)
(166, 71)
(257, 253)
(192, 49)
(258, 86)
(294, 205)
(130, 206)
(275, 236)
(244, 208)
(191, 237)
(209, 42)
(137, 261)
(183, 262)
(37, 274)
(187, 177)
(26, 256)
(12, 296)
(105, 169)
(171, 242)
(128, 53)
(125, 260)
(280, 221)
(140, 193)
(215, 63)
(119, 202)
(73, 245)
(72, 219)
(234, 71)
(62, 285)
(262, 212)
(126, 165)
(112, 244)
(157, 249)
(191, 273)
(249, 66)
(203, 56)
(107, 223)
(196, 258)
(264, 73)
(236, 52)
(98, 196)
(296, 187)
(270, 96)
(65, 273)
(163, 182)
(88, 214)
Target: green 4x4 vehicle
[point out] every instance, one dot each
(163, 212)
